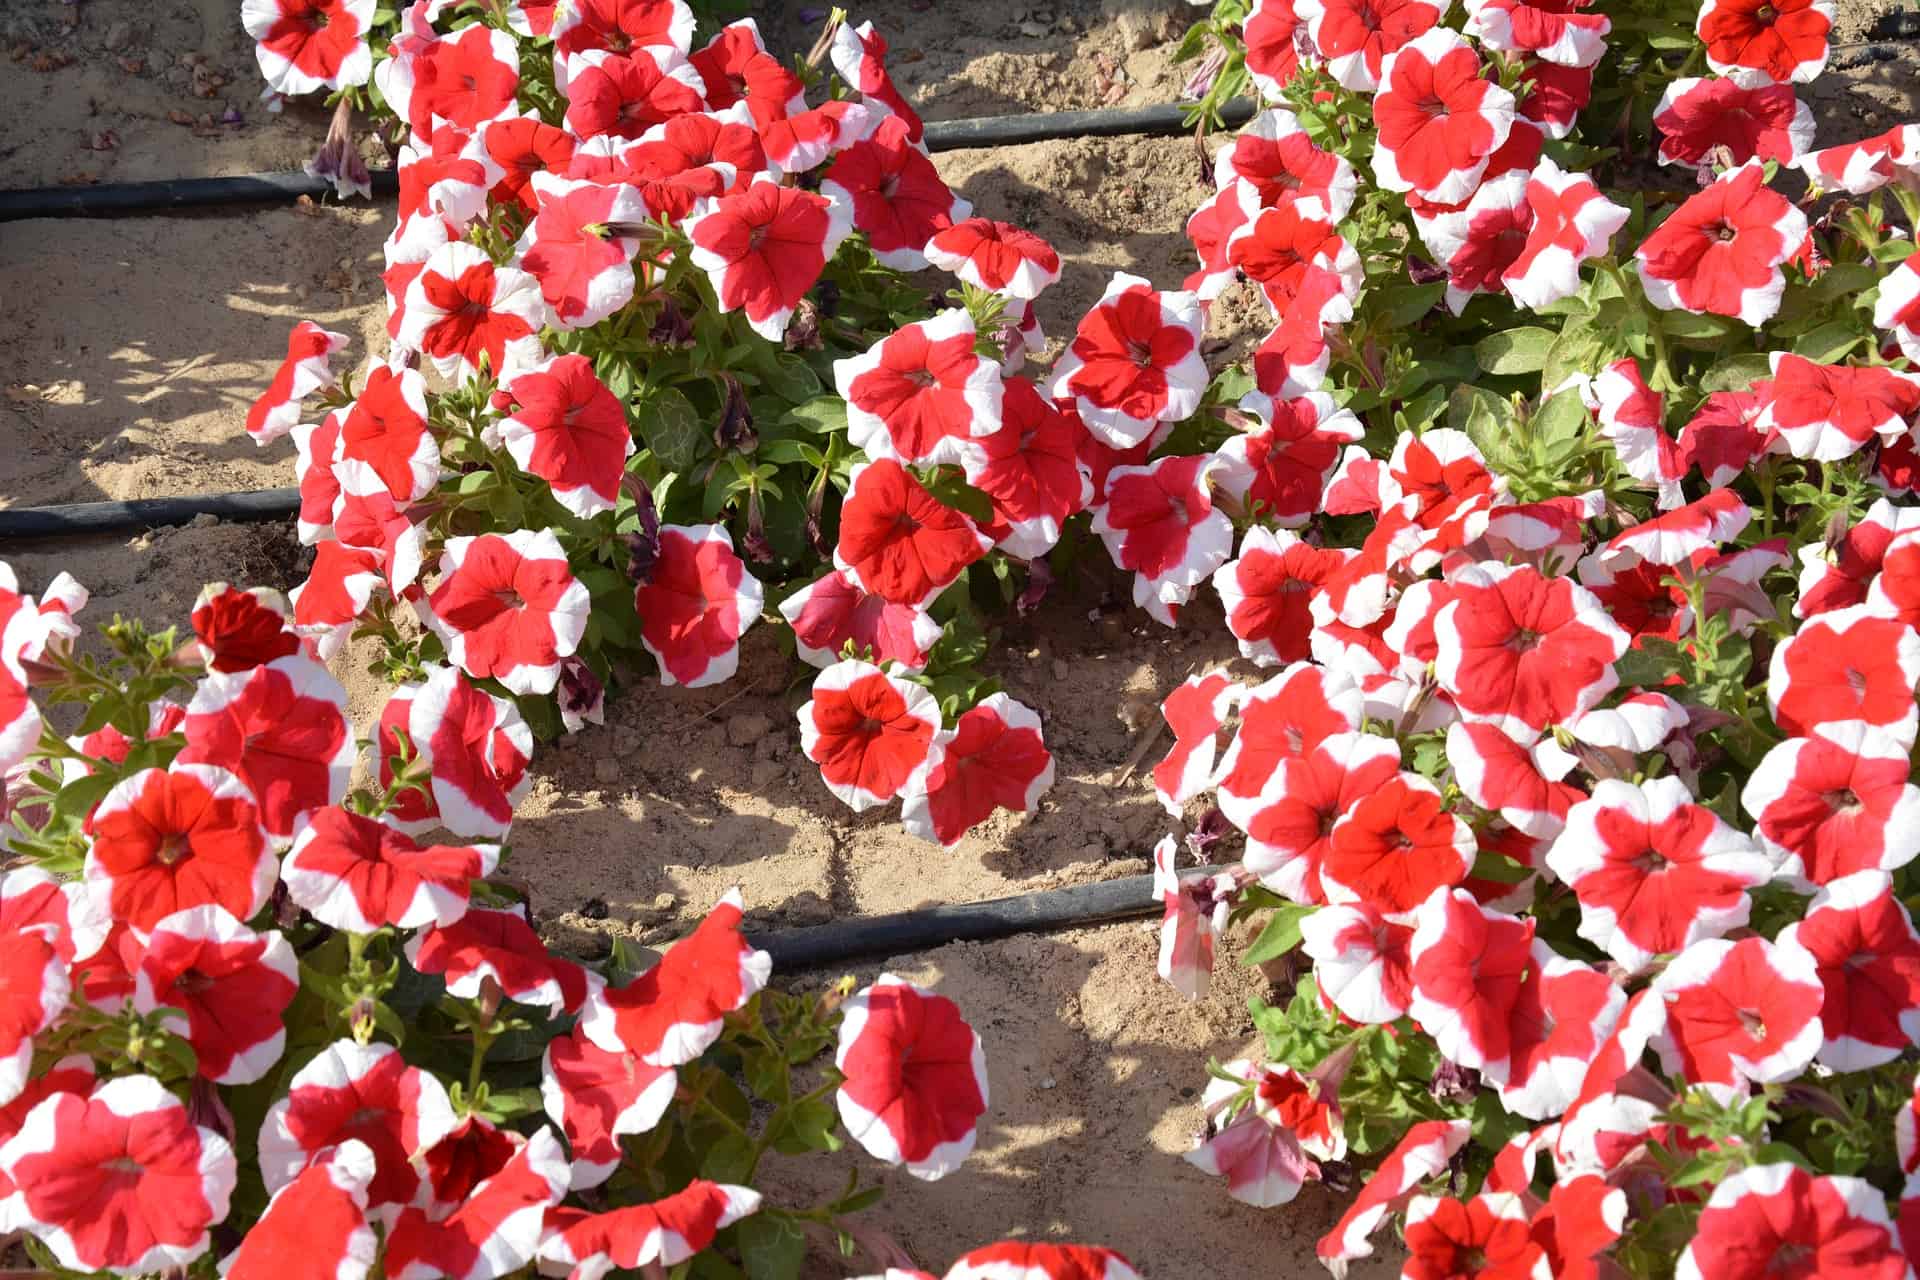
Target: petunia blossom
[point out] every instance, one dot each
(868, 730)
(696, 604)
(508, 606)
(914, 1077)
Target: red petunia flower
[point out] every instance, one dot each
(1360, 962)
(1681, 536)
(764, 247)
(282, 730)
(1654, 871)
(308, 368)
(915, 1081)
(859, 54)
(1477, 241)
(1160, 522)
(1720, 440)
(1867, 953)
(1396, 847)
(359, 874)
(1285, 717)
(1290, 822)
(240, 630)
(660, 1234)
(386, 428)
(1830, 412)
(315, 1227)
(1283, 248)
(1838, 572)
(1271, 35)
(1738, 1013)
(898, 198)
(498, 944)
(304, 46)
(443, 190)
(1195, 712)
(1485, 1236)
(368, 520)
(1859, 167)
(35, 986)
(522, 146)
(1721, 251)
(624, 95)
(314, 445)
(1440, 119)
(807, 140)
(1023, 1260)
(672, 1013)
(1555, 31)
(1265, 592)
(464, 80)
(491, 1232)
(1423, 1152)
(1279, 470)
(869, 732)
(572, 432)
(995, 256)
(366, 1093)
(1571, 222)
(579, 247)
(1503, 775)
(1565, 1011)
(1134, 362)
(736, 68)
(1274, 157)
(167, 840)
(464, 314)
(835, 611)
(597, 1097)
(509, 607)
(617, 26)
(1696, 115)
(1849, 664)
(1898, 308)
(335, 595)
(1469, 966)
(231, 984)
(1835, 803)
(1030, 467)
(922, 394)
(696, 605)
(1356, 37)
(1633, 420)
(1756, 42)
(1769, 1216)
(1293, 359)
(994, 757)
(172, 1179)
(476, 746)
(1267, 1152)
(1210, 228)
(897, 541)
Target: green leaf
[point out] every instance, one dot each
(790, 378)
(1281, 935)
(1490, 421)
(78, 798)
(1829, 343)
(1521, 350)
(822, 415)
(729, 1158)
(810, 1127)
(1559, 430)
(1736, 373)
(671, 428)
(1688, 327)
(771, 1247)
(1404, 304)
(1582, 347)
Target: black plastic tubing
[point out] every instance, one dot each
(145, 513)
(182, 195)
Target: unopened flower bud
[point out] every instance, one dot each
(735, 430)
(338, 160)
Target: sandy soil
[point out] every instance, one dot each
(130, 376)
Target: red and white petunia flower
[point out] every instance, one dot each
(1210, 228)
(522, 146)
(1487, 1235)
(898, 199)
(807, 140)
(1867, 952)
(1633, 420)
(1395, 848)
(509, 607)
(475, 746)
(238, 630)
(581, 26)
(1280, 469)
(1267, 1151)
(1440, 118)
(1571, 222)
(1754, 43)
(1423, 1152)
(1031, 469)
(1290, 822)
(569, 430)
(623, 95)
(1284, 717)
(597, 1097)
(1354, 38)
(1555, 97)
(315, 1227)
(1654, 871)
(386, 428)
(282, 730)
(834, 611)
(1680, 536)
(764, 247)
(366, 1093)
(1193, 915)
(463, 314)
(1766, 1214)
(579, 247)
(308, 368)
(1897, 308)
(1477, 241)
(672, 1013)
(1835, 803)
(498, 945)
(1160, 522)
(462, 80)
(1523, 651)
(1556, 31)
(915, 1081)
(1293, 359)
(1134, 362)
(1895, 590)
(696, 604)
(1848, 664)
(443, 191)
(304, 46)
(656, 1235)
(868, 730)
(164, 840)
(492, 1231)
(995, 256)
(1360, 962)
(1273, 156)
(1271, 37)
(1285, 248)
(1699, 115)
(1024, 1260)
(173, 1179)
(1838, 572)
(1195, 712)
(1860, 167)
(1720, 440)
(897, 541)
(1564, 1012)
(736, 68)
(859, 54)
(230, 985)
(1266, 589)
(1829, 412)
(367, 519)
(73, 918)
(994, 757)
(680, 161)
(1721, 252)
(923, 394)
(1505, 775)
(35, 986)
(359, 874)
(314, 445)
(335, 595)
(1468, 966)
(1738, 1013)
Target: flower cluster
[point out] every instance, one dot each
(1570, 516)
(254, 1015)
(656, 373)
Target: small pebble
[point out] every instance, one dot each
(1048, 1083)
(606, 771)
(747, 728)
(1060, 669)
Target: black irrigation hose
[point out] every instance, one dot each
(145, 513)
(175, 195)
(905, 932)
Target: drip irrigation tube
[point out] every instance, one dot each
(904, 932)
(145, 513)
(178, 195)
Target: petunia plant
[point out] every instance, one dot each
(271, 1002)
(658, 371)
(1562, 523)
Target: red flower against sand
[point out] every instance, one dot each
(304, 46)
(915, 1082)
(869, 732)
(696, 604)
(897, 541)
(994, 757)
(672, 1013)
(509, 607)
(307, 368)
